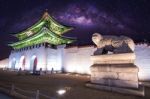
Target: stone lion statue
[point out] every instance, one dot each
(112, 44)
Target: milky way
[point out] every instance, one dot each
(79, 15)
(88, 15)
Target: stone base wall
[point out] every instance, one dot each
(118, 75)
(77, 59)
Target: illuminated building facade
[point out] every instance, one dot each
(41, 46)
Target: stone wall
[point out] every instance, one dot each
(142, 52)
(78, 58)
(4, 63)
(47, 58)
(28, 55)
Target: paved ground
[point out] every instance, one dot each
(49, 84)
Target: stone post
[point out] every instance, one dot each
(37, 94)
(12, 89)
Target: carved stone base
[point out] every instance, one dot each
(123, 58)
(137, 92)
(115, 75)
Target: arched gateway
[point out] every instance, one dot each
(13, 63)
(33, 64)
(22, 62)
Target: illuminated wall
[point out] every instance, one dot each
(142, 52)
(74, 59)
(55, 58)
(4, 63)
(70, 59)
(47, 58)
(28, 55)
(77, 59)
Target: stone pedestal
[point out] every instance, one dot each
(114, 71)
(119, 75)
(125, 58)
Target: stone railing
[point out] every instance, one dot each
(23, 94)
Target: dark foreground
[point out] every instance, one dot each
(4, 96)
(49, 84)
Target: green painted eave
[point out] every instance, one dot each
(44, 35)
(45, 21)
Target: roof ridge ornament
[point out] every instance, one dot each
(46, 14)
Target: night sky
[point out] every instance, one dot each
(108, 17)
